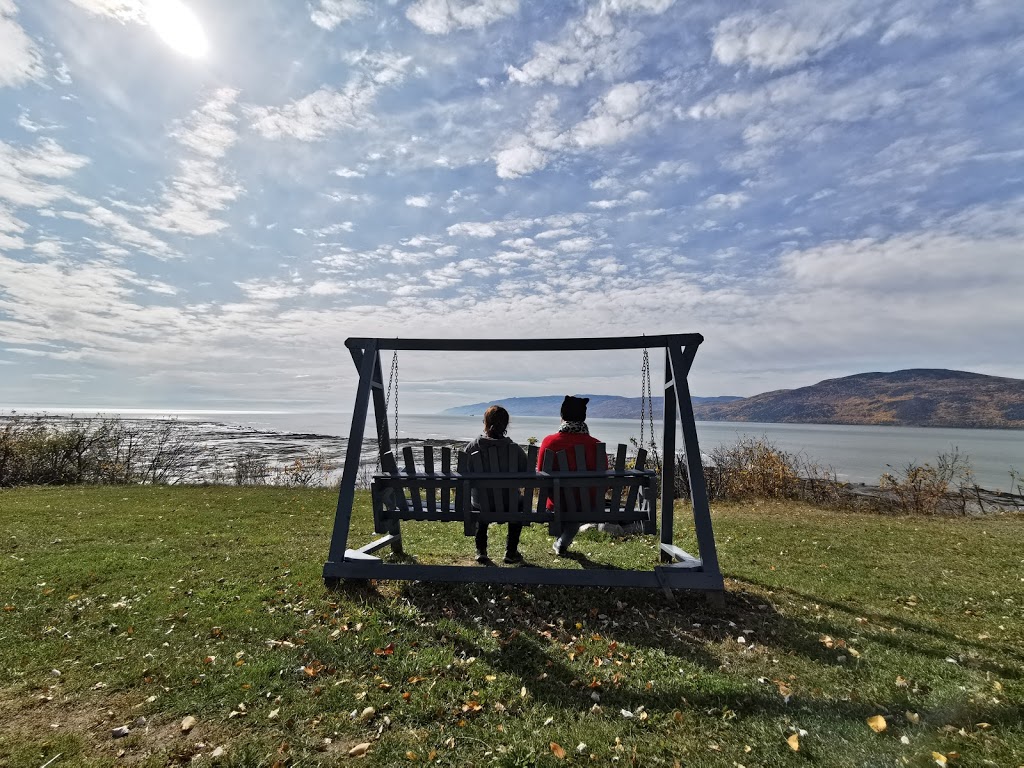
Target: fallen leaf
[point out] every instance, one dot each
(410, 755)
(912, 717)
(359, 749)
(274, 713)
(188, 724)
(794, 742)
(877, 723)
(367, 714)
(557, 750)
(939, 758)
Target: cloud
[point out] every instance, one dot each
(121, 229)
(122, 10)
(472, 229)
(201, 188)
(589, 46)
(20, 61)
(348, 173)
(418, 201)
(330, 13)
(799, 32)
(528, 152)
(22, 172)
(731, 201)
(327, 110)
(575, 245)
(268, 290)
(519, 161)
(439, 17)
(617, 115)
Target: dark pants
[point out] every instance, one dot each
(515, 530)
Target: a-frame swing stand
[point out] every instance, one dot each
(677, 569)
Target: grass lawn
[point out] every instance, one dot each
(140, 606)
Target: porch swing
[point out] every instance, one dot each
(553, 494)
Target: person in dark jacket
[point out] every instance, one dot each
(496, 436)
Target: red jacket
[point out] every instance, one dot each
(567, 441)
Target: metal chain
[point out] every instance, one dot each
(647, 407)
(392, 383)
(644, 374)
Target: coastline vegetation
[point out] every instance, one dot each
(37, 450)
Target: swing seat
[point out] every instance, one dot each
(525, 496)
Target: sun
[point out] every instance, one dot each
(178, 26)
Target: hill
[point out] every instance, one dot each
(600, 406)
(920, 397)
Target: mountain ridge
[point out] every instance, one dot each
(919, 397)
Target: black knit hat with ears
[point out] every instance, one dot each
(574, 408)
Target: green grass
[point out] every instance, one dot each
(160, 602)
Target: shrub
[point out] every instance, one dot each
(924, 489)
(251, 468)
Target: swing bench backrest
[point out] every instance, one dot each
(506, 492)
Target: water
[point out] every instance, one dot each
(859, 454)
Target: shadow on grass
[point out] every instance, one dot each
(907, 644)
(533, 635)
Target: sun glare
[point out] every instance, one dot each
(178, 26)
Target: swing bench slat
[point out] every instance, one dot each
(505, 490)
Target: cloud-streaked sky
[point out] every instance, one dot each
(201, 199)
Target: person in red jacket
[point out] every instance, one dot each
(572, 432)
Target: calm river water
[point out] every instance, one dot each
(859, 454)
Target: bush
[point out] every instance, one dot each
(251, 468)
(42, 451)
(924, 489)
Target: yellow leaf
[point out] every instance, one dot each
(794, 742)
(877, 723)
(939, 758)
(410, 755)
(556, 748)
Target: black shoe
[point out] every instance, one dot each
(481, 557)
(558, 549)
(511, 558)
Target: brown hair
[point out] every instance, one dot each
(495, 421)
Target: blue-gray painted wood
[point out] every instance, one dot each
(532, 345)
(668, 453)
(684, 572)
(347, 491)
(694, 465)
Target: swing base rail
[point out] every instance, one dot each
(668, 577)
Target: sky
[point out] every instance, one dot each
(200, 200)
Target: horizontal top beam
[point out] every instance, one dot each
(530, 345)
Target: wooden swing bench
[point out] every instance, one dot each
(508, 492)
